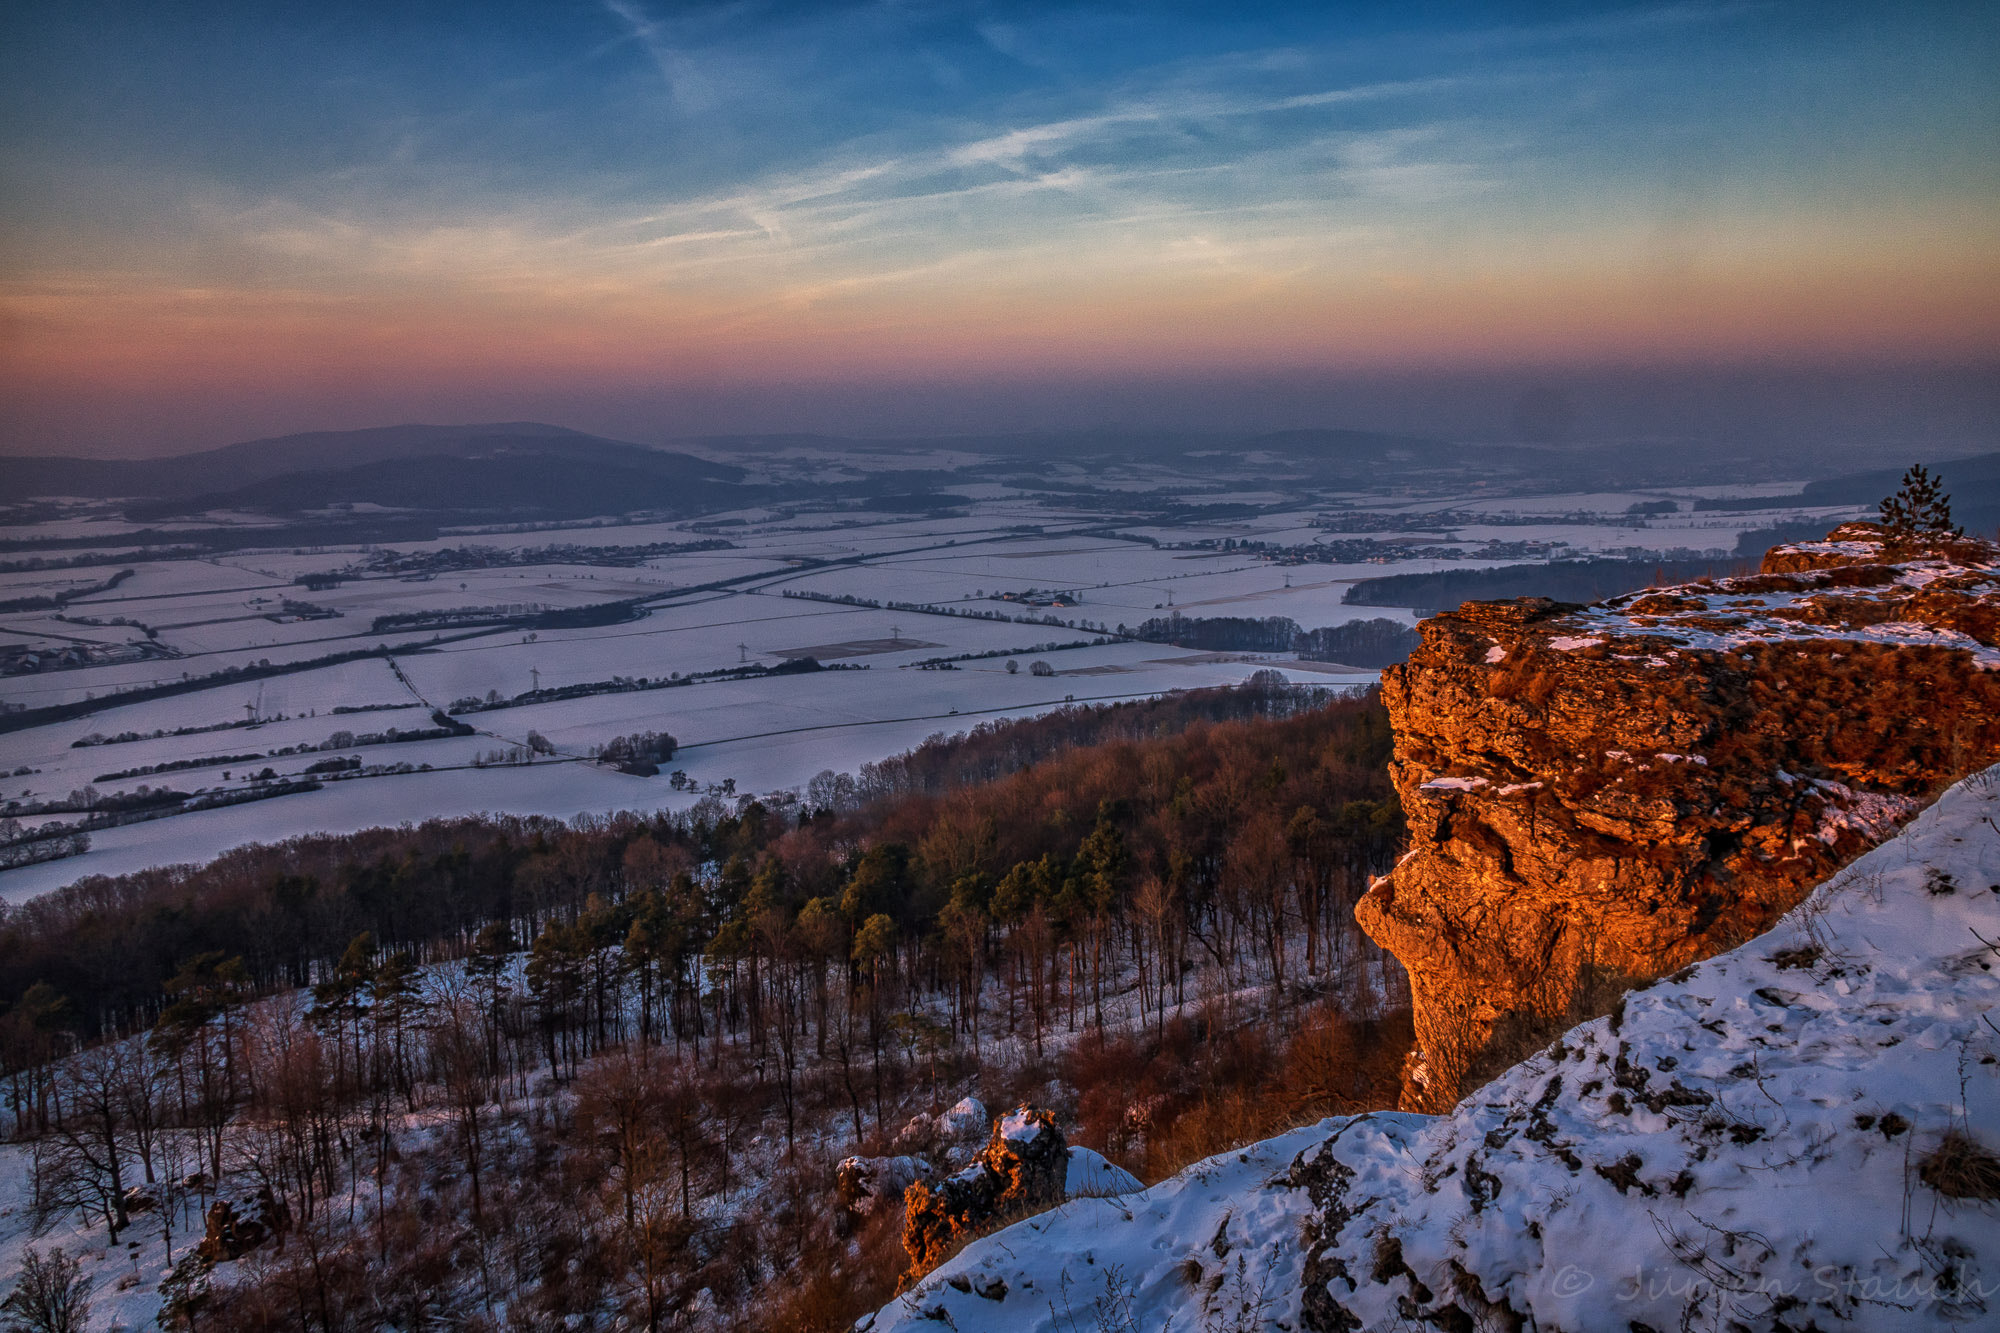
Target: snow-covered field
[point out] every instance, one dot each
(1759, 1141)
(936, 582)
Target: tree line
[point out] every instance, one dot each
(1563, 580)
(1362, 643)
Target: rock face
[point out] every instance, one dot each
(1023, 1167)
(1601, 794)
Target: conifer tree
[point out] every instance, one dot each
(1921, 508)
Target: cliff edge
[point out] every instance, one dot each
(1597, 795)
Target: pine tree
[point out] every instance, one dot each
(398, 999)
(1921, 508)
(487, 966)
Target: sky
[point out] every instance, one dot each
(247, 217)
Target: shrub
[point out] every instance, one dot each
(1961, 1167)
(642, 752)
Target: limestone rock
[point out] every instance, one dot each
(239, 1225)
(1024, 1167)
(967, 1118)
(864, 1184)
(1601, 793)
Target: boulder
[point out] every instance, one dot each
(1090, 1176)
(864, 1184)
(240, 1224)
(1024, 1168)
(967, 1119)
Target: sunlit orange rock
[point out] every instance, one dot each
(1022, 1169)
(1609, 792)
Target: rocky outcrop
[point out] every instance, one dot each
(1023, 1167)
(1601, 794)
(236, 1226)
(864, 1184)
(951, 1136)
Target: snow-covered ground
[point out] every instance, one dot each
(1751, 1143)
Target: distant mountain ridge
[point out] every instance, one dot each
(237, 465)
(522, 468)
(530, 468)
(1974, 485)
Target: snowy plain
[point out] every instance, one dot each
(937, 583)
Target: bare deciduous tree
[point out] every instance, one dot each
(52, 1295)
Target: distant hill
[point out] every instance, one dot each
(1561, 580)
(511, 467)
(1974, 485)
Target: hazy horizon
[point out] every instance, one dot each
(1930, 411)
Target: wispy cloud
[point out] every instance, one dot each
(686, 82)
(1141, 182)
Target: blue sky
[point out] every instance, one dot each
(235, 217)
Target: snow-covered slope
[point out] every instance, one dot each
(1748, 1144)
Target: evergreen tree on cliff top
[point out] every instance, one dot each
(1920, 509)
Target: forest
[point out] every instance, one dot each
(1563, 580)
(1362, 643)
(520, 1073)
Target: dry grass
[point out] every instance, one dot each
(1961, 1167)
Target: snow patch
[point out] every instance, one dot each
(1090, 1175)
(1020, 1127)
(1453, 784)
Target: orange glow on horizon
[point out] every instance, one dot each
(126, 340)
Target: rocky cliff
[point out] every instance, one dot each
(1598, 795)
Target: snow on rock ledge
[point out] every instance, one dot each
(1746, 1144)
